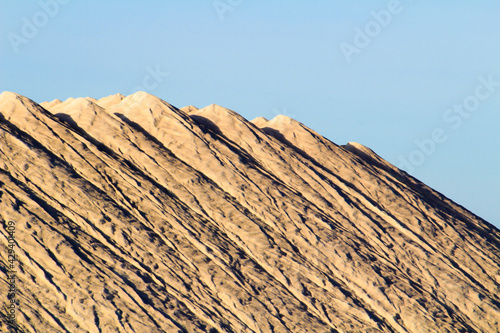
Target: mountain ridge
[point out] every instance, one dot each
(147, 218)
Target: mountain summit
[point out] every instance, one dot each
(132, 215)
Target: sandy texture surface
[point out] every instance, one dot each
(135, 216)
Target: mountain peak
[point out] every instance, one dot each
(48, 105)
(8, 95)
(110, 100)
(142, 99)
(15, 104)
(73, 106)
(82, 104)
(141, 96)
(359, 146)
(259, 121)
(282, 120)
(215, 109)
(189, 109)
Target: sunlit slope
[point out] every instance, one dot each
(135, 216)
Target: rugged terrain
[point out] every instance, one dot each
(132, 215)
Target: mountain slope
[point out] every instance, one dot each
(135, 216)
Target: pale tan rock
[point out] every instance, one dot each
(189, 108)
(135, 216)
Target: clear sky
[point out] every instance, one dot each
(418, 81)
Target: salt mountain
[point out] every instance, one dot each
(135, 216)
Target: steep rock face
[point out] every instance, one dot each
(135, 216)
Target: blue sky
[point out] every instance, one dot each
(419, 82)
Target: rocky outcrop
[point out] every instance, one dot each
(134, 216)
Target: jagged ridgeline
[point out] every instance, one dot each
(134, 216)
